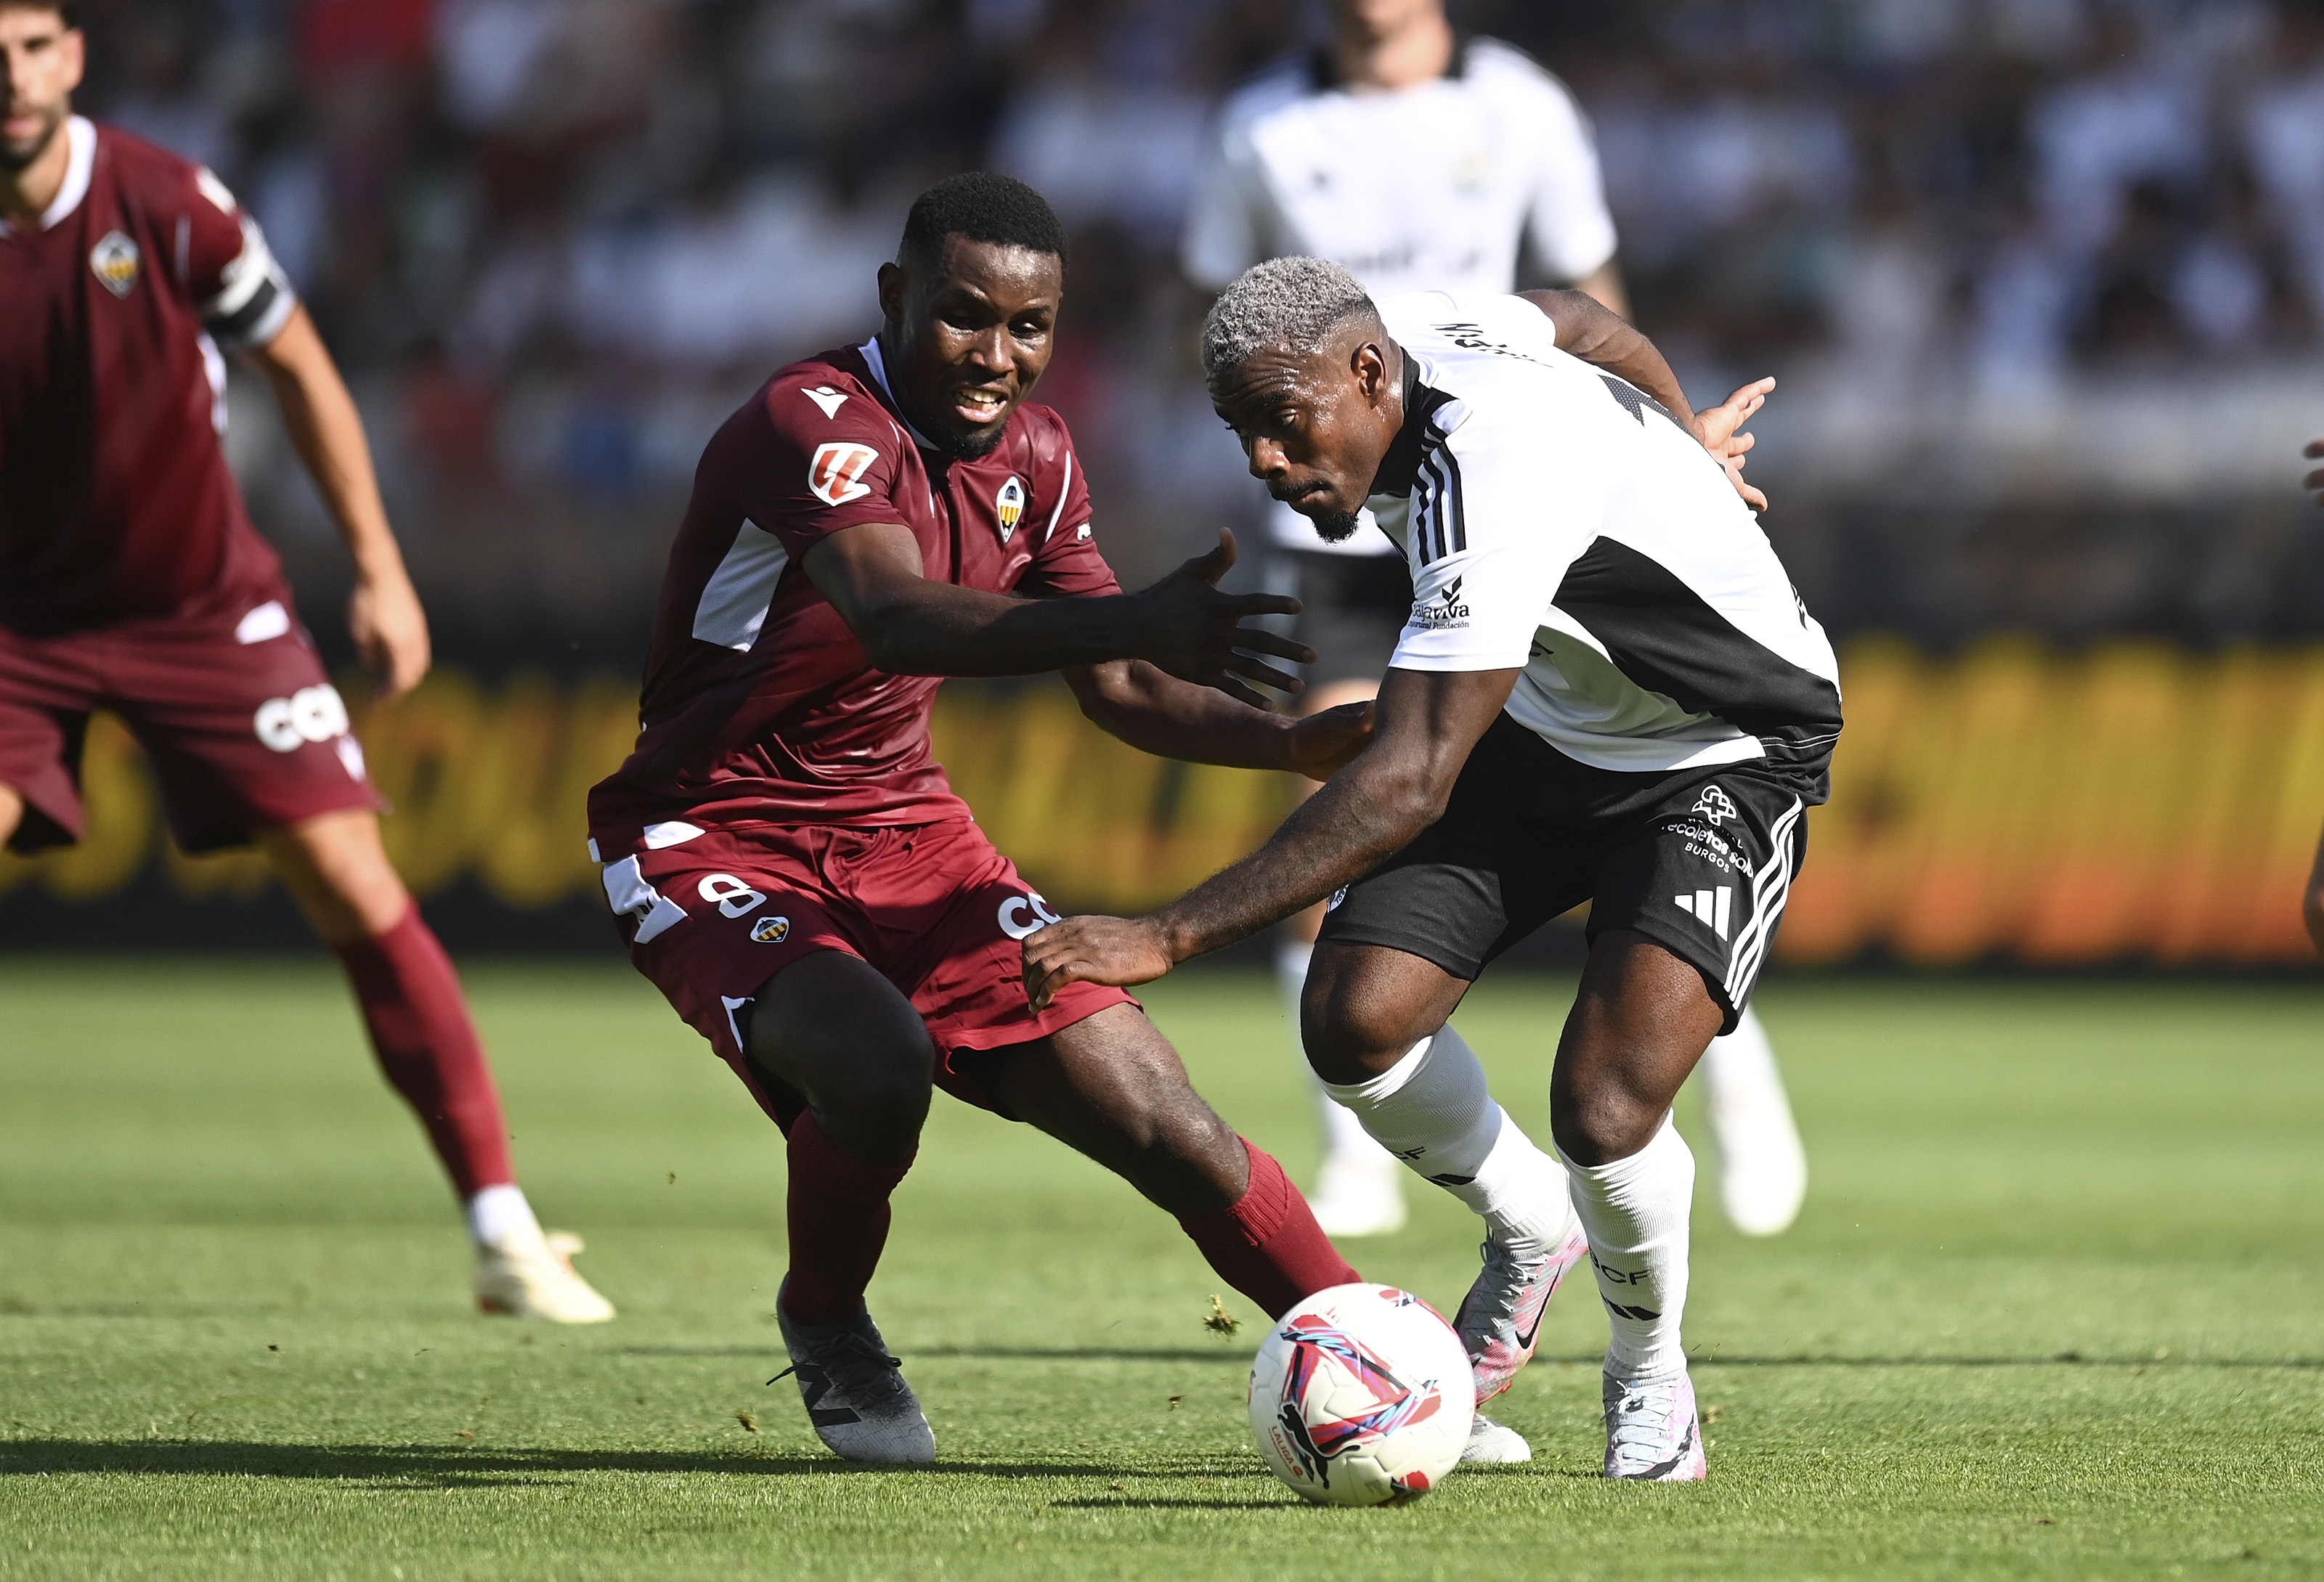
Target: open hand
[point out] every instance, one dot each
(389, 631)
(1116, 951)
(1325, 743)
(1719, 428)
(1190, 629)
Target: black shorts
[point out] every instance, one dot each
(1700, 861)
(1354, 609)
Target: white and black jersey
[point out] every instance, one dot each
(1446, 185)
(1557, 520)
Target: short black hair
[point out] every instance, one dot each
(982, 206)
(68, 11)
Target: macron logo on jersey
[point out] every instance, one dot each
(828, 398)
(834, 475)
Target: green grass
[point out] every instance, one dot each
(2053, 1310)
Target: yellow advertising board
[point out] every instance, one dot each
(2130, 801)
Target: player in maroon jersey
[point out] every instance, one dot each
(131, 580)
(792, 869)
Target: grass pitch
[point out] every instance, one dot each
(2052, 1309)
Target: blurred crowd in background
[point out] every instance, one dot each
(2044, 279)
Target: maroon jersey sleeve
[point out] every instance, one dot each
(818, 466)
(241, 293)
(1067, 564)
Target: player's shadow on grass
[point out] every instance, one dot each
(1223, 1503)
(459, 1467)
(1223, 1353)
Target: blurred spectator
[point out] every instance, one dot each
(552, 232)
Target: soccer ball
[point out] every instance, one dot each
(1362, 1396)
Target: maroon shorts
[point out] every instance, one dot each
(231, 704)
(932, 907)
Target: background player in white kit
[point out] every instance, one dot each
(1419, 159)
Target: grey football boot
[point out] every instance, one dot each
(856, 1392)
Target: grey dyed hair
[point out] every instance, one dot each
(1292, 302)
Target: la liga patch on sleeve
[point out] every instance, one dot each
(836, 474)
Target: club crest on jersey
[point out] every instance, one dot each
(114, 261)
(836, 474)
(770, 931)
(1714, 805)
(1010, 505)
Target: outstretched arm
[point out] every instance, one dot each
(1601, 338)
(1428, 722)
(912, 625)
(384, 617)
(1158, 713)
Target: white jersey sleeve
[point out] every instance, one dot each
(1486, 539)
(1567, 222)
(1221, 236)
(1232, 222)
(1489, 544)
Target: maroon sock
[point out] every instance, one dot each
(838, 1214)
(1269, 1245)
(428, 1048)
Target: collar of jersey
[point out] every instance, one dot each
(870, 351)
(1400, 470)
(80, 162)
(1322, 78)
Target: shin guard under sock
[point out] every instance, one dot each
(1636, 1212)
(838, 1215)
(1433, 1110)
(1268, 1247)
(429, 1050)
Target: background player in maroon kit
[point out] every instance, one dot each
(792, 866)
(131, 580)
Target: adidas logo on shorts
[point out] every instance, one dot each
(1710, 906)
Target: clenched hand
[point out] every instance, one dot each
(1322, 744)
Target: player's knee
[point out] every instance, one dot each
(879, 1107)
(1349, 1036)
(335, 868)
(1598, 1128)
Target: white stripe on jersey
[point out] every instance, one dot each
(1558, 522)
(734, 603)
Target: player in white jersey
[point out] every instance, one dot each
(1607, 690)
(1420, 159)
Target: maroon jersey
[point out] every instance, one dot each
(760, 705)
(115, 497)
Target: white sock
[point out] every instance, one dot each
(1346, 1141)
(498, 1214)
(1432, 1109)
(1635, 1210)
(1738, 1071)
